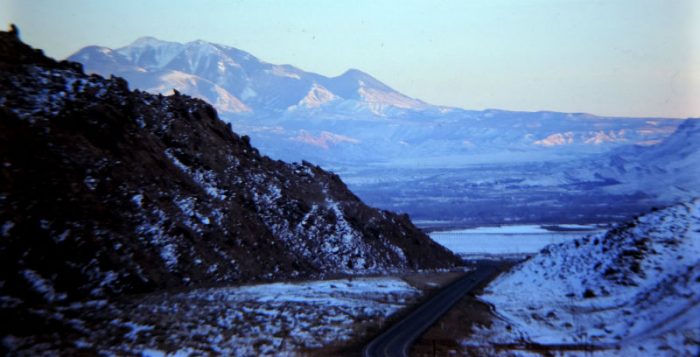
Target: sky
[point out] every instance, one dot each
(605, 57)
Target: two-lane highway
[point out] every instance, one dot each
(397, 340)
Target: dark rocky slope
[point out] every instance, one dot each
(106, 191)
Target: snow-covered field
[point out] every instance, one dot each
(629, 291)
(278, 318)
(515, 239)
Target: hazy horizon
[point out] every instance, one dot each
(627, 58)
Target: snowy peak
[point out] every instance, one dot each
(145, 41)
(377, 96)
(355, 79)
(161, 67)
(95, 53)
(150, 53)
(199, 58)
(103, 59)
(260, 86)
(158, 54)
(150, 41)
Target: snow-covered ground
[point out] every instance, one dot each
(278, 318)
(632, 290)
(515, 239)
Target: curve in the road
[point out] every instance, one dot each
(397, 340)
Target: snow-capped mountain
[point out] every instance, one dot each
(276, 104)
(401, 153)
(634, 289)
(235, 81)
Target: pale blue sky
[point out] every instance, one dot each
(608, 57)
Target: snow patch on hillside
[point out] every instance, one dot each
(324, 140)
(280, 71)
(589, 138)
(379, 100)
(556, 139)
(600, 137)
(198, 87)
(317, 96)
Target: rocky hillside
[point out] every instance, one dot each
(106, 191)
(629, 291)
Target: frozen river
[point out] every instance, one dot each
(517, 239)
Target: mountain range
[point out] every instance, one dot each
(400, 153)
(293, 114)
(235, 81)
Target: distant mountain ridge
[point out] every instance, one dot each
(235, 81)
(287, 111)
(395, 151)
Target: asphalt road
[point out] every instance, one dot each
(397, 340)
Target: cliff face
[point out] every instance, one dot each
(105, 191)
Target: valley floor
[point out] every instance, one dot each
(310, 317)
